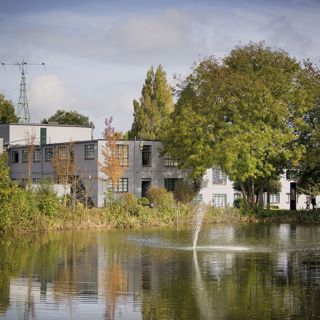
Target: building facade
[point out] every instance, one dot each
(26, 133)
(141, 160)
(217, 190)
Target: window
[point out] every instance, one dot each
(169, 161)
(62, 153)
(48, 154)
(122, 185)
(219, 200)
(287, 197)
(89, 151)
(146, 156)
(275, 198)
(123, 154)
(218, 177)
(15, 156)
(37, 155)
(24, 157)
(171, 183)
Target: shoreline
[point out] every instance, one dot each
(128, 217)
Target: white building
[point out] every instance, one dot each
(33, 133)
(217, 189)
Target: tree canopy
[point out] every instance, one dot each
(243, 114)
(70, 117)
(154, 108)
(7, 112)
(308, 170)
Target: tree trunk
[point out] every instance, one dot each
(268, 200)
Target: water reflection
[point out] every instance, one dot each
(146, 275)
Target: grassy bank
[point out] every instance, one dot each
(120, 214)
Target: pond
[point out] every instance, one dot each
(254, 271)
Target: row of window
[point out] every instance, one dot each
(218, 177)
(121, 153)
(219, 200)
(123, 184)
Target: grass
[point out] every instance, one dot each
(134, 215)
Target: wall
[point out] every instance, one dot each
(21, 134)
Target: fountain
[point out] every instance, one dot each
(198, 218)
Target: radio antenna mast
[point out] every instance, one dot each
(23, 112)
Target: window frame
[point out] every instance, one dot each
(218, 176)
(170, 184)
(274, 198)
(89, 151)
(24, 155)
(146, 156)
(122, 154)
(46, 153)
(219, 196)
(37, 155)
(169, 161)
(15, 156)
(122, 187)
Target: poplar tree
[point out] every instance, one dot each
(154, 107)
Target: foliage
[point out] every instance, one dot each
(184, 191)
(46, 198)
(111, 165)
(71, 118)
(64, 166)
(154, 108)
(7, 112)
(160, 196)
(243, 115)
(143, 201)
(15, 204)
(308, 170)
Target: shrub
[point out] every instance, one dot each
(46, 198)
(184, 191)
(160, 196)
(143, 201)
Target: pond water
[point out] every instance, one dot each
(256, 271)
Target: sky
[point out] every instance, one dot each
(97, 52)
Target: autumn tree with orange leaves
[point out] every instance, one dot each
(112, 165)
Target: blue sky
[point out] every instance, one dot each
(97, 52)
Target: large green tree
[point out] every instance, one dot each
(7, 112)
(242, 114)
(154, 108)
(308, 170)
(70, 117)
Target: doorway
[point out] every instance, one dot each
(145, 184)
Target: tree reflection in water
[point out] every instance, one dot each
(156, 275)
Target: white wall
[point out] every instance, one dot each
(209, 189)
(21, 134)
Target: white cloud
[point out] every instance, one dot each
(47, 93)
(97, 61)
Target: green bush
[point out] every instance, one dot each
(46, 198)
(143, 201)
(160, 196)
(184, 191)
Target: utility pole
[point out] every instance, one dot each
(23, 112)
